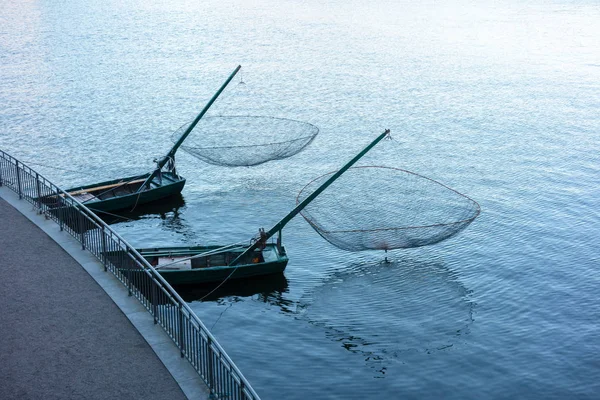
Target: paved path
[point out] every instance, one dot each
(61, 335)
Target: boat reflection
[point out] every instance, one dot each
(171, 205)
(268, 289)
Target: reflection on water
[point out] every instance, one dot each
(383, 310)
(167, 209)
(155, 223)
(267, 289)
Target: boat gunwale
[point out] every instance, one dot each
(183, 251)
(126, 181)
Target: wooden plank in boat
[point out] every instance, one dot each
(105, 187)
(83, 197)
(187, 264)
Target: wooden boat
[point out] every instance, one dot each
(127, 193)
(198, 265)
(201, 264)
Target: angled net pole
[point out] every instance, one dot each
(171, 154)
(195, 121)
(279, 226)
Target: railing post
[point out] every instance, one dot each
(155, 300)
(81, 228)
(20, 190)
(181, 335)
(129, 291)
(38, 193)
(104, 255)
(61, 209)
(1, 170)
(211, 375)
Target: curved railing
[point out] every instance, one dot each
(195, 342)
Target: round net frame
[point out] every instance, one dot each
(384, 208)
(236, 140)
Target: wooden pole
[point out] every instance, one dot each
(305, 202)
(171, 154)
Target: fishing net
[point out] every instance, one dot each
(236, 141)
(370, 208)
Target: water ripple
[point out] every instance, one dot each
(382, 309)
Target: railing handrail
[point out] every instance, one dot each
(81, 208)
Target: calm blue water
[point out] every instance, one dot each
(499, 100)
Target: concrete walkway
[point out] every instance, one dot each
(62, 335)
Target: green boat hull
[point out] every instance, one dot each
(270, 260)
(118, 194)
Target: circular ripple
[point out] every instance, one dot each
(384, 309)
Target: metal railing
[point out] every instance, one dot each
(195, 342)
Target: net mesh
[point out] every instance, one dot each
(237, 141)
(383, 208)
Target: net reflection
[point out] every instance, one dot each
(388, 311)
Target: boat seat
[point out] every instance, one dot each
(200, 262)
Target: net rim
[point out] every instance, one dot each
(468, 220)
(315, 131)
(463, 221)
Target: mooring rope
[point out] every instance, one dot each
(112, 215)
(220, 284)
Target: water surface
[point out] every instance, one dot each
(499, 101)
